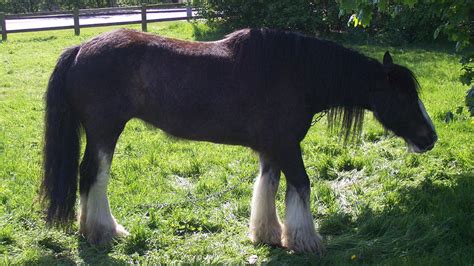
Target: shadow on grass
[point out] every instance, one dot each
(278, 256)
(432, 223)
(97, 255)
(359, 38)
(50, 260)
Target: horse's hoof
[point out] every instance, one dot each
(121, 231)
(303, 242)
(270, 235)
(103, 235)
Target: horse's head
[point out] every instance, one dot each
(396, 105)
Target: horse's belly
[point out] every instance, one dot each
(203, 125)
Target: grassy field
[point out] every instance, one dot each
(189, 202)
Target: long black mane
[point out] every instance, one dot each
(336, 78)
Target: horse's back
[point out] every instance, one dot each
(184, 88)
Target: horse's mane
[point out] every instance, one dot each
(335, 75)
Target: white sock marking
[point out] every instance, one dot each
(264, 223)
(299, 233)
(100, 225)
(83, 214)
(98, 209)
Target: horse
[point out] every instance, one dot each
(258, 88)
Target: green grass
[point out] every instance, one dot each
(188, 201)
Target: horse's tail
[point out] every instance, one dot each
(61, 148)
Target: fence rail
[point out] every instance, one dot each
(76, 15)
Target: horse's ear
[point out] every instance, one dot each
(387, 59)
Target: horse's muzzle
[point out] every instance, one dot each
(422, 145)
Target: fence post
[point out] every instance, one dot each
(189, 12)
(3, 26)
(77, 27)
(144, 25)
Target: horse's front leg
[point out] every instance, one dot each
(265, 227)
(299, 233)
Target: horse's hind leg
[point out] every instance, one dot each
(96, 222)
(265, 226)
(299, 233)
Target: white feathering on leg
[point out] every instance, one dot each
(299, 233)
(100, 225)
(83, 214)
(265, 226)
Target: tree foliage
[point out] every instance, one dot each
(396, 21)
(392, 21)
(456, 21)
(299, 15)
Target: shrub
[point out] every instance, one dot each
(298, 15)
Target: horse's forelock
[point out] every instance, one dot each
(404, 79)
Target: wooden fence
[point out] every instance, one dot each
(76, 14)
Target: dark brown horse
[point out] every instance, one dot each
(257, 88)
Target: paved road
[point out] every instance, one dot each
(58, 21)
